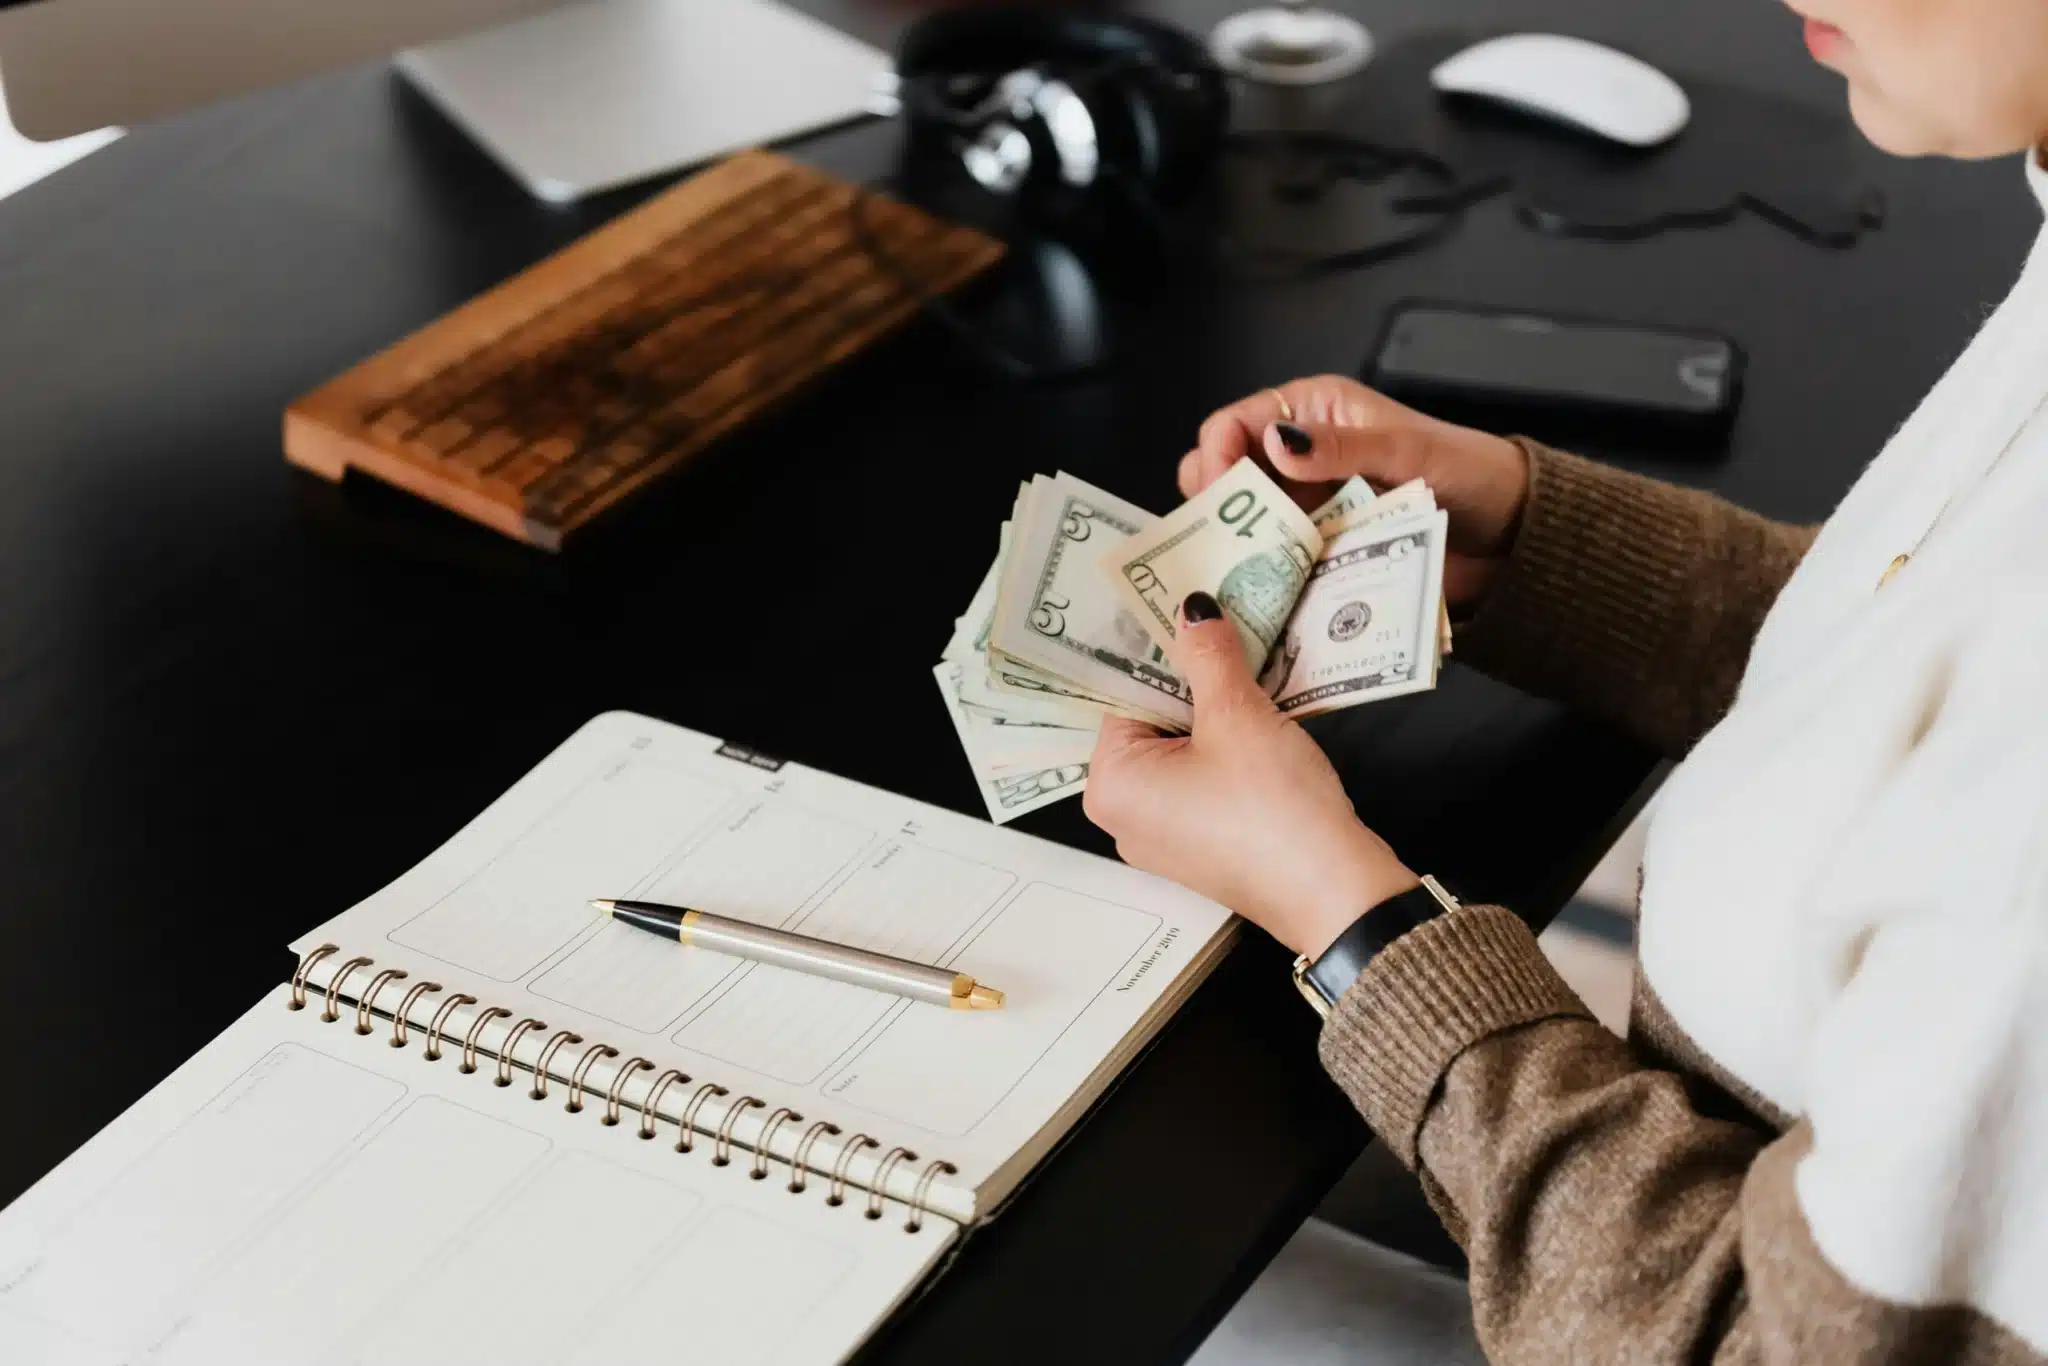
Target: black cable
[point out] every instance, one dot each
(1343, 157)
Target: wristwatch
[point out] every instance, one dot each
(1322, 982)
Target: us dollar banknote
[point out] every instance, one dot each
(1055, 614)
(1071, 622)
(1015, 778)
(1347, 511)
(1401, 501)
(1344, 508)
(1242, 539)
(1365, 628)
(1024, 695)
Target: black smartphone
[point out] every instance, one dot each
(1555, 376)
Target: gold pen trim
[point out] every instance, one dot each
(683, 930)
(968, 995)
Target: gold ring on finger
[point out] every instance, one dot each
(1286, 408)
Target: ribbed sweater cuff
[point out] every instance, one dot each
(1433, 993)
(1590, 587)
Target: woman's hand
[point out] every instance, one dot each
(1342, 428)
(1246, 810)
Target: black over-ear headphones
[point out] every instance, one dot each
(1059, 107)
(1081, 129)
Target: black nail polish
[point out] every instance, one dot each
(1294, 438)
(1198, 608)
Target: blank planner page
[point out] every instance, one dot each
(1084, 948)
(298, 1192)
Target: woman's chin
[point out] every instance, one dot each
(1898, 130)
(1890, 129)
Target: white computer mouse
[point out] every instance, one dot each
(1570, 81)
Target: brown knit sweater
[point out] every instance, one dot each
(1619, 1201)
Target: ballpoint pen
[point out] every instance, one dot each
(800, 953)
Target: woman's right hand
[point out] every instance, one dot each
(1342, 428)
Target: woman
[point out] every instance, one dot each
(1826, 1138)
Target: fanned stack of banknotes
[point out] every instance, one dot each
(1335, 608)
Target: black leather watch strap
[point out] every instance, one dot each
(1332, 974)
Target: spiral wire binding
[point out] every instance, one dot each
(433, 1053)
(590, 1055)
(611, 1097)
(547, 1056)
(686, 1141)
(510, 1049)
(721, 1148)
(419, 989)
(649, 1106)
(915, 1220)
(341, 974)
(298, 1001)
(765, 1144)
(369, 1001)
(889, 1160)
(835, 1194)
(800, 1162)
(801, 1166)
(483, 1017)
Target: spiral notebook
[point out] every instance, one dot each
(482, 1123)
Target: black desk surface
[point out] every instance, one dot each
(234, 700)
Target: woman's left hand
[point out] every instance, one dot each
(1246, 810)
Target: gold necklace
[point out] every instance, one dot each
(1904, 557)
